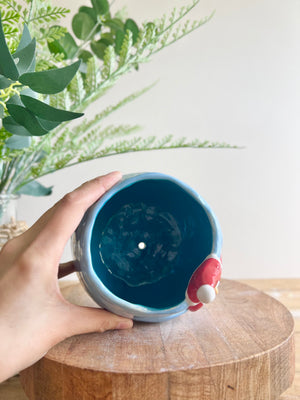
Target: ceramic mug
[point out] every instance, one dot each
(149, 248)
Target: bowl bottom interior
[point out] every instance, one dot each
(147, 240)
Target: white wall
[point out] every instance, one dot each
(235, 80)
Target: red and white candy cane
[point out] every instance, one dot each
(202, 287)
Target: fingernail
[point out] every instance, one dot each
(128, 324)
(116, 174)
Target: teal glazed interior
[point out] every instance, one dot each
(147, 239)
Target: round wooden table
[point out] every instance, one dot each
(240, 347)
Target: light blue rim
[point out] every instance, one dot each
(94, 286)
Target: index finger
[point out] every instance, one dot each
(56, 226)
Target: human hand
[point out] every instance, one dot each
(34, 316)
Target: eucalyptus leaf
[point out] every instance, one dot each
(13, 127)
(83, 68)
(28, 92)
(115, 24)
(65, 45)
(34, 188)
(84, 55)
(4, 82)
(132, 26)
(25, 38)
(27, 119)
(17, 142)
(47, 112)
(15, 99)
(119, 41)
(51, 81)
(100, 6)
(7, 65)
(90, 11)
(48, 125)
(108, 37)
(26, 58)
(98, 48)
(82, 25)
(1, 111)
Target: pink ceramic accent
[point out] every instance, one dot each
(208, 273)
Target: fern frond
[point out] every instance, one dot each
(93, 76)
(110, 132)
(109, 62)
(98, 118)
(72, 152)
(76, 89)
(53, 33)
(96, 137)
(59, 141)
(9, 31)
(61, 100)
(182, 31)
(169, 142)
(48, 14)
(63, 161)
(174, 30)
(11, 5)
(146, 36)
(165, 38)
(10, 22)
(4, 135)
(176, 16)
(150, 143)
(48, 61)
(125, 49)
(9, 17)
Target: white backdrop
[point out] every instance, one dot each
(235, 80)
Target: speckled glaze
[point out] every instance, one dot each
(137, 248)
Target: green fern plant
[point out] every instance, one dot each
(100, 49)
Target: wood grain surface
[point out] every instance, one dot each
(240, 347)
(286, 291)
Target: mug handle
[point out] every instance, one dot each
(202, 287)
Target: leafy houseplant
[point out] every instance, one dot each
(49, 76)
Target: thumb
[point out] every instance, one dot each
(88, 319)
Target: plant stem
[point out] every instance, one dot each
(30, 13)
